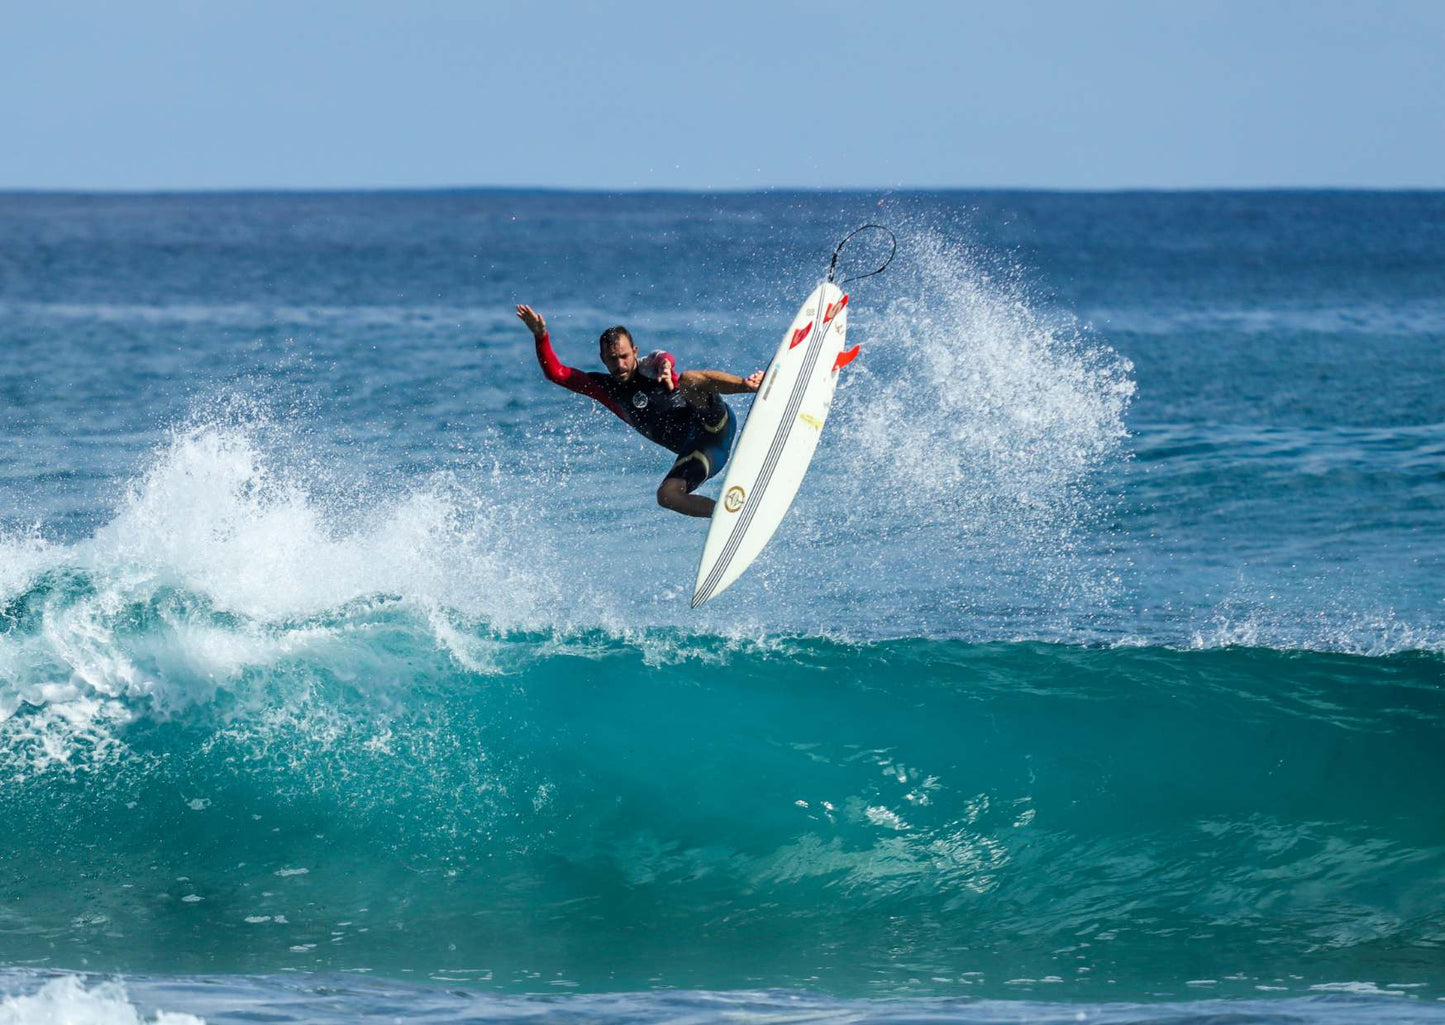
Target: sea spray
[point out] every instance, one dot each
(976, 398)
(972, 439)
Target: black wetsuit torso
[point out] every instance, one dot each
(702, 436)
(659, 413)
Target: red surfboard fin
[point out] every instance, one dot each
(845, 357)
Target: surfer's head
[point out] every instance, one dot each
(618, 352)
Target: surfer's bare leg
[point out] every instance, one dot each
(672, 494)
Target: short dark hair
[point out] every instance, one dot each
(611, 335)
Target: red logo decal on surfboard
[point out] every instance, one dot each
(833, 310)
(800, 334)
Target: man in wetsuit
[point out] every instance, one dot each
(681, 412)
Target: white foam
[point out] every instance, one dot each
(219, 562)
(1364, 989)
(67, 1000)
(215, 517)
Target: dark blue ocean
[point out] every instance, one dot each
(347, 671)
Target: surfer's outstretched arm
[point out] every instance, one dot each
(718, 382)
(555, 370)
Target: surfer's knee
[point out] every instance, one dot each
(670, 492)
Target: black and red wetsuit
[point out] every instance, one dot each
(700, 435)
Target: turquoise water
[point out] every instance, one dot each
(347, 665)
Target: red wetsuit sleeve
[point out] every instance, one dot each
(570, 377)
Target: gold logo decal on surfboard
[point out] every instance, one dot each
(811, 420)
(733, 500)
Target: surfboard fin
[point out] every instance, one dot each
(845, 357)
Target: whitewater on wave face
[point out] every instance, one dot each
(68, 999)
(217, 564)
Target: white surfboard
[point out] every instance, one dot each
(778, 440)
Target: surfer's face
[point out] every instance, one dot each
(620, 357)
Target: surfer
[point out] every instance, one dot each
(682, 412)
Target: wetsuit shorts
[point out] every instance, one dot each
(705, 452)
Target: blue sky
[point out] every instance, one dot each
(298, 94)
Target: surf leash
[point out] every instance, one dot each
(833, 264)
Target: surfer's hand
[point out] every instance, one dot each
(666, 374)
(534, 321)
(754, 381)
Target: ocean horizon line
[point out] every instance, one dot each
(802, 190)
